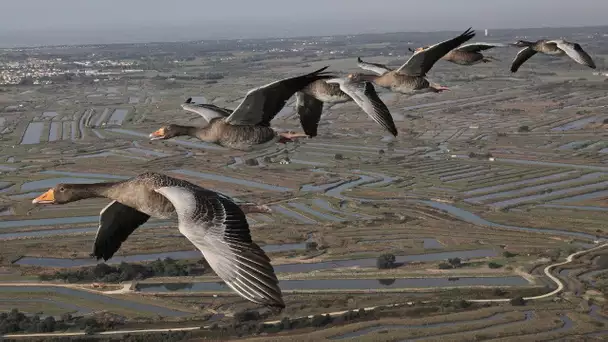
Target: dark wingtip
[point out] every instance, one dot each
(189, 100)
(359, 60)
(318, 71)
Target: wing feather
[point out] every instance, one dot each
(377, 68)
(262, 104)
(309, 110)
(207, 111)
(422, 61)
(116, 222)
(477, 47)
(576, 52)
(219, 229)
(522, 57)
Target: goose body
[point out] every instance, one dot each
(213, 222)
(247, 127)
(558, 48)
(310, 101)
(410, 78)
(470, 54)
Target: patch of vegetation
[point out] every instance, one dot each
(386, 261)
(508, 254)
(493, 264)
(523, 129)
(16, 321)
(124, 272)
(518, 301)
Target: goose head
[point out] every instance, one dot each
(168, 132)
(63, 193)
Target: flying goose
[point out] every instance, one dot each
(558, 47)
(410, 77)
(468, 54)
(211, 221)
(310, 100)
(247, 127)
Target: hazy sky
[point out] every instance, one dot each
(27, 22)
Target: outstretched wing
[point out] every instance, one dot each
(207, 111)
(477, 47)
(377, 68)
(309, 110)
(262, 104)
(576, 52)
(366, 97)
(116, 222)
(219, 229)
(521, 57)
(422, 61)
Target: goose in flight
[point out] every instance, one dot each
(410, 78)
(213, 222)
(468, 54)
(310, 100)
(557, 47)
(247, 127)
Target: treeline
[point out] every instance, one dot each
(15, 321)
(18, 322)
(125, 272)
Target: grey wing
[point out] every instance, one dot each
(522, 56)
(207, 111)
(477, 47)
(219, 229)
(309, 110)
(576, 52)
(116, 222)
(262, 104)
(366, 97)
(422, 61)
(377, 68)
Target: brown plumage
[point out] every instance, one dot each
(410, 78)
(558, 47)
(248, 126)
(468, 54)
(211, 221)
(310, 101)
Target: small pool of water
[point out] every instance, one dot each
(32, 133)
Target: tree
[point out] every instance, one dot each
(455, 262)
(386, 261)
(493, 264)
(320, 320)
(518, 301)
(311, 246)
(523, 129)
(508, 254)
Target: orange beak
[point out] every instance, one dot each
(46, 198)
(158, 134)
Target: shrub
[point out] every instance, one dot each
(518, 301)
(493, 264)
(508, 254)
(386, 261)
